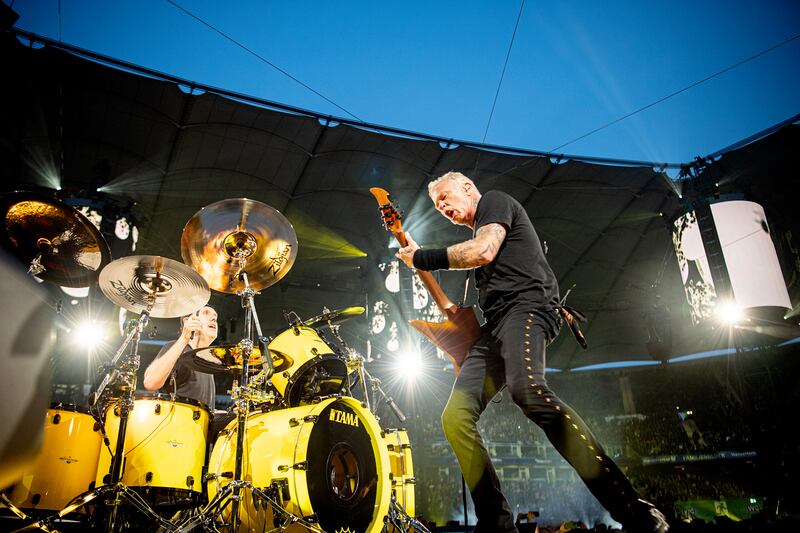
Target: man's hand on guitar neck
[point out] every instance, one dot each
(406, 253)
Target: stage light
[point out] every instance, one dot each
(409, 365)
(89, 334)
(729, 313)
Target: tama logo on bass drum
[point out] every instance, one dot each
(344, 418)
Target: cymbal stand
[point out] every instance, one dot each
(352, 358)
(114, 492)
(230, 493)
(375, 385)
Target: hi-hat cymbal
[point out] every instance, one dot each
(219, 233)
(38, 227)
(334, 317)
(174, 288)
(227, 359)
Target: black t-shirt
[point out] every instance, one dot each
(188, 382)
(519, 274)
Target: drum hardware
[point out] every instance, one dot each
(357, 361)
(52, 239)
(114, 493)
(397, 520)
(152, 286)
(249, 240)
(332, 320)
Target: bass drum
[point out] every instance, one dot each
(327, 460)
(67, 462)
(311, 368)
(401, 469)
(165, 449)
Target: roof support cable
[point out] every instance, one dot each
(262, 58)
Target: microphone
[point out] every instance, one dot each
(396, 410)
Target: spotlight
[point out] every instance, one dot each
(409, 365)
(729, 313)
(89, 334)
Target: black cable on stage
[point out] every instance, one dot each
(648, 106)
(265, 60)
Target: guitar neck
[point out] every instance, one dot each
(436, 292)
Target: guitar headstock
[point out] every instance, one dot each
(391, 214)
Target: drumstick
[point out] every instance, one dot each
(191, 337)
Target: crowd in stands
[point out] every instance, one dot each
(683, 417)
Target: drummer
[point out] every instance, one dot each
(168, 373)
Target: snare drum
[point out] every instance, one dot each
(314, 370)
(67, 462)
(165, 448)
(326, 462)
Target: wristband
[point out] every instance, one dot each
(435, 259)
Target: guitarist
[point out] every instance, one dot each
(518, 294)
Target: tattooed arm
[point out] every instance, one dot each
(478, 251)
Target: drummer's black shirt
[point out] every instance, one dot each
(189, 383)
(519, 274)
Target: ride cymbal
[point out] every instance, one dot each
(221, 234)
(54, 240)
(334, 317)
(138, 281)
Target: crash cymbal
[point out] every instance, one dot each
(227, 358)
(219, 233)
(334, 317)
(174, 288)
(40, 228)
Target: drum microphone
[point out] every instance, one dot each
(287, 315)
(396, 410)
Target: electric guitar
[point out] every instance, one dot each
(460, 329)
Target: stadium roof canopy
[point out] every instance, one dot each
(173, 148)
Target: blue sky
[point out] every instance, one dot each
(434, 66)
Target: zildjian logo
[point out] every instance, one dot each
(344, 530)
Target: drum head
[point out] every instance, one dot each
(323, 376)
(343, 478)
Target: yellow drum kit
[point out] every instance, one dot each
(301, 454)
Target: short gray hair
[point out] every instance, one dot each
(458, 177)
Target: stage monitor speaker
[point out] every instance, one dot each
(26, 337)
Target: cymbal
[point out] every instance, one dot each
(174, 288)
(334, 317)
(220, 232)
(227, 358)
(70, 249)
